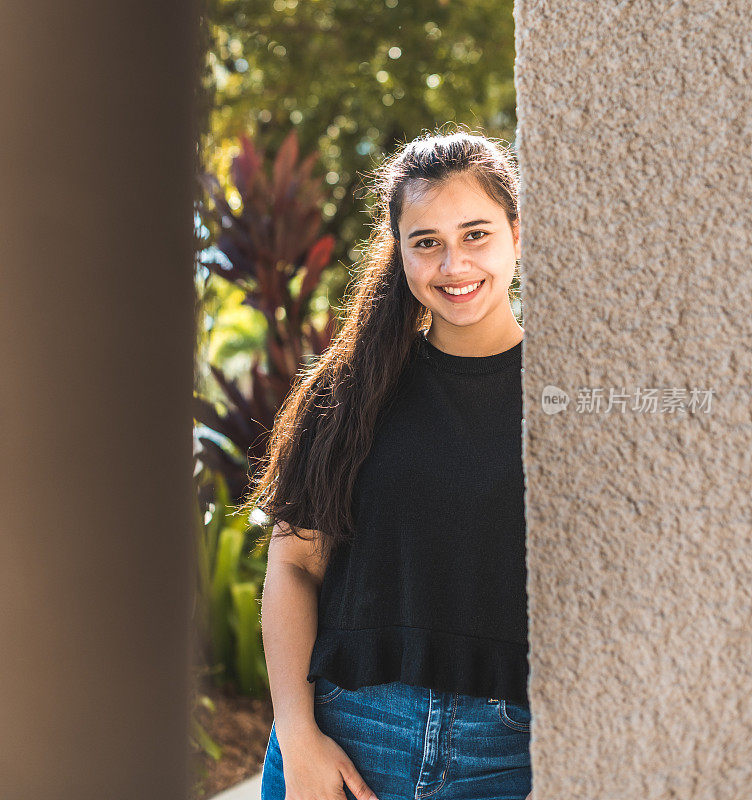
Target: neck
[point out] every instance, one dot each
(485, 338)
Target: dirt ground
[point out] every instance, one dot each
(241, 726)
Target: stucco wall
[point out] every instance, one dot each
(635, 145)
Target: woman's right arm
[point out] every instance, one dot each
(314, 764)
(289, 612)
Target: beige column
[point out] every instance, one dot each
(96, 339)
(635, 145)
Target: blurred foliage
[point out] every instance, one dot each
(227, 607)
(355, 77)
(271, 249)
(201, 742)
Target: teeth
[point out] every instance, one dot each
(464, 290)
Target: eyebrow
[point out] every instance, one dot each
(459, 227)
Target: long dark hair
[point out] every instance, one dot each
(324, 429)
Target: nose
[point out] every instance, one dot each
(452, 263)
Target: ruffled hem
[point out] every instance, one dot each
(442, 661)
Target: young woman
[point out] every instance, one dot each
(394, 611)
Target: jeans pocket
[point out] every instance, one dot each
(516, 717)
(325, 691)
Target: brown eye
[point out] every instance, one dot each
(483, 232)
(423, 241)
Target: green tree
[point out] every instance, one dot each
(355, 77)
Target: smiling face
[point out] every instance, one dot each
(458, 251)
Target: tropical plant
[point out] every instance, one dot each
(199, 739)
(230, 573)
(271, 248)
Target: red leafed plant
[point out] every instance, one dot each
(273, 237)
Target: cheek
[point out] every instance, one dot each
(417, 270)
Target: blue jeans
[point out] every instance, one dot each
(410, 742)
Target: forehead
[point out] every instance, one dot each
(436, 204)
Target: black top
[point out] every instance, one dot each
(432, 591)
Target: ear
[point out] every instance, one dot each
(516, 235)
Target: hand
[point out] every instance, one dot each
(315, 767)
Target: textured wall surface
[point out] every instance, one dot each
(635, 143)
